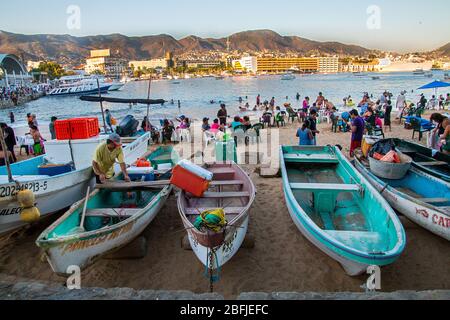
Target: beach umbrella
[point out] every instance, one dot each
(435, 85)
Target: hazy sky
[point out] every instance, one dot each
(405, 25)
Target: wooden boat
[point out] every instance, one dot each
(113, 219)
(419, 196)
(55, 193)
(231, 190)
(338, 210)
(436, 164)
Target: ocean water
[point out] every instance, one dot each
(195, 95)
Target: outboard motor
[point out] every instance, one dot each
(127, 127)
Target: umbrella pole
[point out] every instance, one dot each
(101, 107)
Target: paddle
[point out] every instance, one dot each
(81, 229)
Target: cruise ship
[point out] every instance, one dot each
(79, 85)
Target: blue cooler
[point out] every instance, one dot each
(141, 174)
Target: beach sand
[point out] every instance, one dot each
(282, 259)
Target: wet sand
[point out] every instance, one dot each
(282, 259)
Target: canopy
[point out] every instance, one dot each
(119, 100)
(435, 84)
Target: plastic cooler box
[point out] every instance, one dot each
(141, 173)
(191, 178)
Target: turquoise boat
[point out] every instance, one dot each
(338, 210)
(113, 219)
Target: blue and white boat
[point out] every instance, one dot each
(78, 85)
(338, 210)
(421, 197)
(56, 192)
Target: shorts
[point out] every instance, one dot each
(354, 145)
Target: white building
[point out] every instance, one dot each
(148, 64)
(249, 64)
(328, 64)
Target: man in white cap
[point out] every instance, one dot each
(105, 157)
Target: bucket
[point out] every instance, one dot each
(393, 171)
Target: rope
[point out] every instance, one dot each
(209, 271)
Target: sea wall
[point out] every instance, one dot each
(29, 290)
(5, 104)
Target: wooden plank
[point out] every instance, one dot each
(133, 185)
(319, 158)
(220, 195)
(221, 170)
(229, 210)
(432, 163)
(119, 212)
(227, 183)
(434, 200)
(324, 187)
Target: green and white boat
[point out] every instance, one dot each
(338, 210)
(113, 219)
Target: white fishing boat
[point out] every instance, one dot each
(231, 190)
(79, 85)
(288, 76)
(418, 72)
(56, 192)
(108, 220)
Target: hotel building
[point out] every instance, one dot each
(305, 64)
(102, 61)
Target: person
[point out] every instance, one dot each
(167, 130)
(401, 103)
(387, 115)
(423, 101)
(240, 100)
(38, 139)
(51, 127)
(358, 127)
(11, 117)
(108, 119)
(370, 117)
(105, 157)
(222, 114)
(205, 125)
(258, 100)
(298, 96)
(10, 140)
(34, 120)
(215, 127)
(320, 100)
(29, 120)
(279, 118)
(267, 117)
(433, 103)
(312, 119)
(145, 125)
(305, 135)
(246, 123)
(3, 156)
(236, 122)
(272, 104)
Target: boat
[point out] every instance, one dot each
(429, 75)
(422, 198)
(425, 159)
(376, 78)
(56, 192)
(231, 190)
(446, 76)
(288, 76)
(219, 77)
(359, 74)
(113, 219)
(79, 85)
(418, 72)
(338, 210)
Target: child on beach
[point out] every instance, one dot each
(305, 135)
(215, 127)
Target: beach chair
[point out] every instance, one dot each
(209, 137)
(374, 131)
(266, 119)
(239, 135)
(291, 114)
(417, 127)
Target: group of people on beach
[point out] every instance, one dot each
(13, 93)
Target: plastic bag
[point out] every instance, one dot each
(382, 147)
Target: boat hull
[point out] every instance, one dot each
(103, 89)
(85, 250)
(422, 214)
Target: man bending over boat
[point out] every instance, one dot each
(105, 157)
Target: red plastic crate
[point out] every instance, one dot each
(84, 128)
(77, 128)
(62, 129)
(189, 182)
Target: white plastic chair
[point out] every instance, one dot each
(239, 136)
(209, 137)
(251, 135)
(185, 135)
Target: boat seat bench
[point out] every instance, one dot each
(432, 163)
(325, 187)
(229, 210)
(304, 158)
(226, 183)
(220, 195)
(112, 213)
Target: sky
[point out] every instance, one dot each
(394, 25)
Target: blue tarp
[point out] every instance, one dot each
(426, 124)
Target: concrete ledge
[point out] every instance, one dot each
(30, 290)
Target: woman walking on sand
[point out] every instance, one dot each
(305, 135)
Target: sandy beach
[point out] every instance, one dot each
(282, 259)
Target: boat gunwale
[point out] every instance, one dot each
(396, 251)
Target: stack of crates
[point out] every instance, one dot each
(76, 129)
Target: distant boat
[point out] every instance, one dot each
(359, 74)
(446, 76)
(288, 76)
(220, 77)
(429, 75)
(175, 82)
(419, 72)
(376, 78)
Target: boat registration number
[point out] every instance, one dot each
(12, 190)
